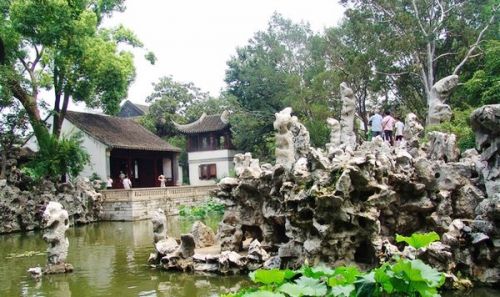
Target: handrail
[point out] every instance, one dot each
(135, 194)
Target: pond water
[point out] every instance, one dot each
(110, 260)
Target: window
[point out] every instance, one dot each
(207, 171)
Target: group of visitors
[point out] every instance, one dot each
(126, 182)
(387, 127)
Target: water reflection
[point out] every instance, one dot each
(110, 260)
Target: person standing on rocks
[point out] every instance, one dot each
(399, 130)
(376, 124)
(388, 125)
(127, 183)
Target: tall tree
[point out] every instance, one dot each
(429, 39)
(171, 101)
(59, 44)
(282, 66)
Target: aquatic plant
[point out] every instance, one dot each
(400, 277)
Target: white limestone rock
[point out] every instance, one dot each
(347, 133)
(159, 221)
(56, 224)
(203, 235)
(443, 146)
(284, 138)
(439, 111)
(246, 167)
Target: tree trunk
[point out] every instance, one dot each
(29, 103)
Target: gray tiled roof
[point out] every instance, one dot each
(119, 132)
(206, 123)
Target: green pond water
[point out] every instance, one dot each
(110, 259)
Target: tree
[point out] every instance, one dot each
(428, 39)
(171, 101)
(282, 66)
(13, 127)
(484, 86)
(59, 45)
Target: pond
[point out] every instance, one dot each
(110, 260)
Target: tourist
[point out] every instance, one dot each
(127, 183)
(399, 130)
(162, 180)
(376, 124)
(109, 183)
(388, 125)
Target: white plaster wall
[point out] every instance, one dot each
(222, 158)
(99, 161)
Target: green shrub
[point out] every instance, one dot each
(203, 210)
(460, 126)
(58, 158)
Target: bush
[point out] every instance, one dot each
(58, 158)
(460, 126)
(203, 210)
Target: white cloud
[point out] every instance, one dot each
(193, 39)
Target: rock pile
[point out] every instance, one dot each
(339, 206)
(21, 207)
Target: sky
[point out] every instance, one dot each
(193, 39)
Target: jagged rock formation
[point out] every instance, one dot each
(163, 244)
(334, 143)
(439, 111)
(56, 223)
(292, 138)
(485, 122)
(245, 166)
(203, 235)
(347, 135)
(22, 206)
(342, 207)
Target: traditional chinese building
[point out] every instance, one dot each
(209, 147)
(130, 110)
(120, 145)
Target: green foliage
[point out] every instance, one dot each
(203, 210)
(402, 277)
(484, 86)
(418, 240)
(282, 66)
(13, 128)
(58, 158)
(460, 126)
(95, 177)
(60, 45)
(170, 102)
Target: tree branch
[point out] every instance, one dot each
(478, 40)
(418, 18)
(37, 58)
(443, 55)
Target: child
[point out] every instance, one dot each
(399, 130)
